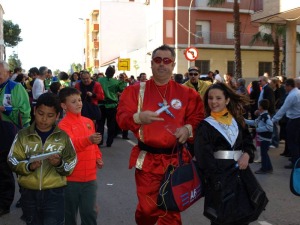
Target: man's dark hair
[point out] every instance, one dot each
(110, 71)
(17, 69)
(165, 48)
(63, 75)
(54, 87)
(66, 92)
(290, 82)
(264, 103)
(178, 77)
(43, 70)
(50, 100)
(33, 71)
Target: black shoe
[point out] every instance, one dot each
(126, 138)
(23, 218)
(107, 145)
(3, 212)
(289, 166)
(18, 204)
(260, 171)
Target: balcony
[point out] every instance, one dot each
(96, 44)
(277, 11)
(217, 38)
(96, 63)
(95, 27)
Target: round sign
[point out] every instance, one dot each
(191, 54)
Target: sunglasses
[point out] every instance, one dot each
(165, 61)
(193, 74)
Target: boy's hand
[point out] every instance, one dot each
(55, 160)
(34, 165)
(99, 163)
(95, 138)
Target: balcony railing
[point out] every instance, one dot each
(217, 38)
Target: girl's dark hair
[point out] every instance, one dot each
(66, 92)
(235, 105)
(50, 100)
(72, 76)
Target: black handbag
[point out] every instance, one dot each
(181, 186)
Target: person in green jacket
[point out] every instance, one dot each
(43, 155)
(108, 107)
(14, 100)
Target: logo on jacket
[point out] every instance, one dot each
(88, 126)
(176, 104)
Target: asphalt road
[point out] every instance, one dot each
(117, 199)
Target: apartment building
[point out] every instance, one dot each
(1, 34)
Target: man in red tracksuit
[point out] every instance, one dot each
(157, 133)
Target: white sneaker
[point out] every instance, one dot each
(257, 160)
(272, 146)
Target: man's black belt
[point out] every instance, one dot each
(154, 150)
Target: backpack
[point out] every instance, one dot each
(295, 179)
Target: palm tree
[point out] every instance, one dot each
(271, 39)
(237, 34)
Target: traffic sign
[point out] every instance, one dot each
(124, 64)
(191, 54)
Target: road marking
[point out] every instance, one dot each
(131, 142)
(264, 223)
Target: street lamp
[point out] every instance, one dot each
(189, 34)
(83, 44)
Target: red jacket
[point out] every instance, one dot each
(79, 129)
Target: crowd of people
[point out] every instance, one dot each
(221, 121)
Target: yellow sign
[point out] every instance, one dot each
(124, 64)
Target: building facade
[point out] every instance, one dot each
(286, 13)
(138, 27)
(1, 34)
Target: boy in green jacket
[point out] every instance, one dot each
(43, 180)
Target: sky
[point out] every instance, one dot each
(52, 31)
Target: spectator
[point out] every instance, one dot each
(178, 77)
(81, 191)
(199, 85)
(108, 107)
(43, 182)
(264, 129)
(74, 79)
(291, 108)
(91, 94)
(14, 101)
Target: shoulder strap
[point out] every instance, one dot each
(141, 95)
(140, 105)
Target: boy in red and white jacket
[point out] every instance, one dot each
(82, 187)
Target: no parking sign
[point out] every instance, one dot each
(191, 54)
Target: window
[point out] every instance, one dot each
(231, 67)
(202, 35)
(264, 67)
(203, 66)
(169, 28)
(233, 1)
(230, 30)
